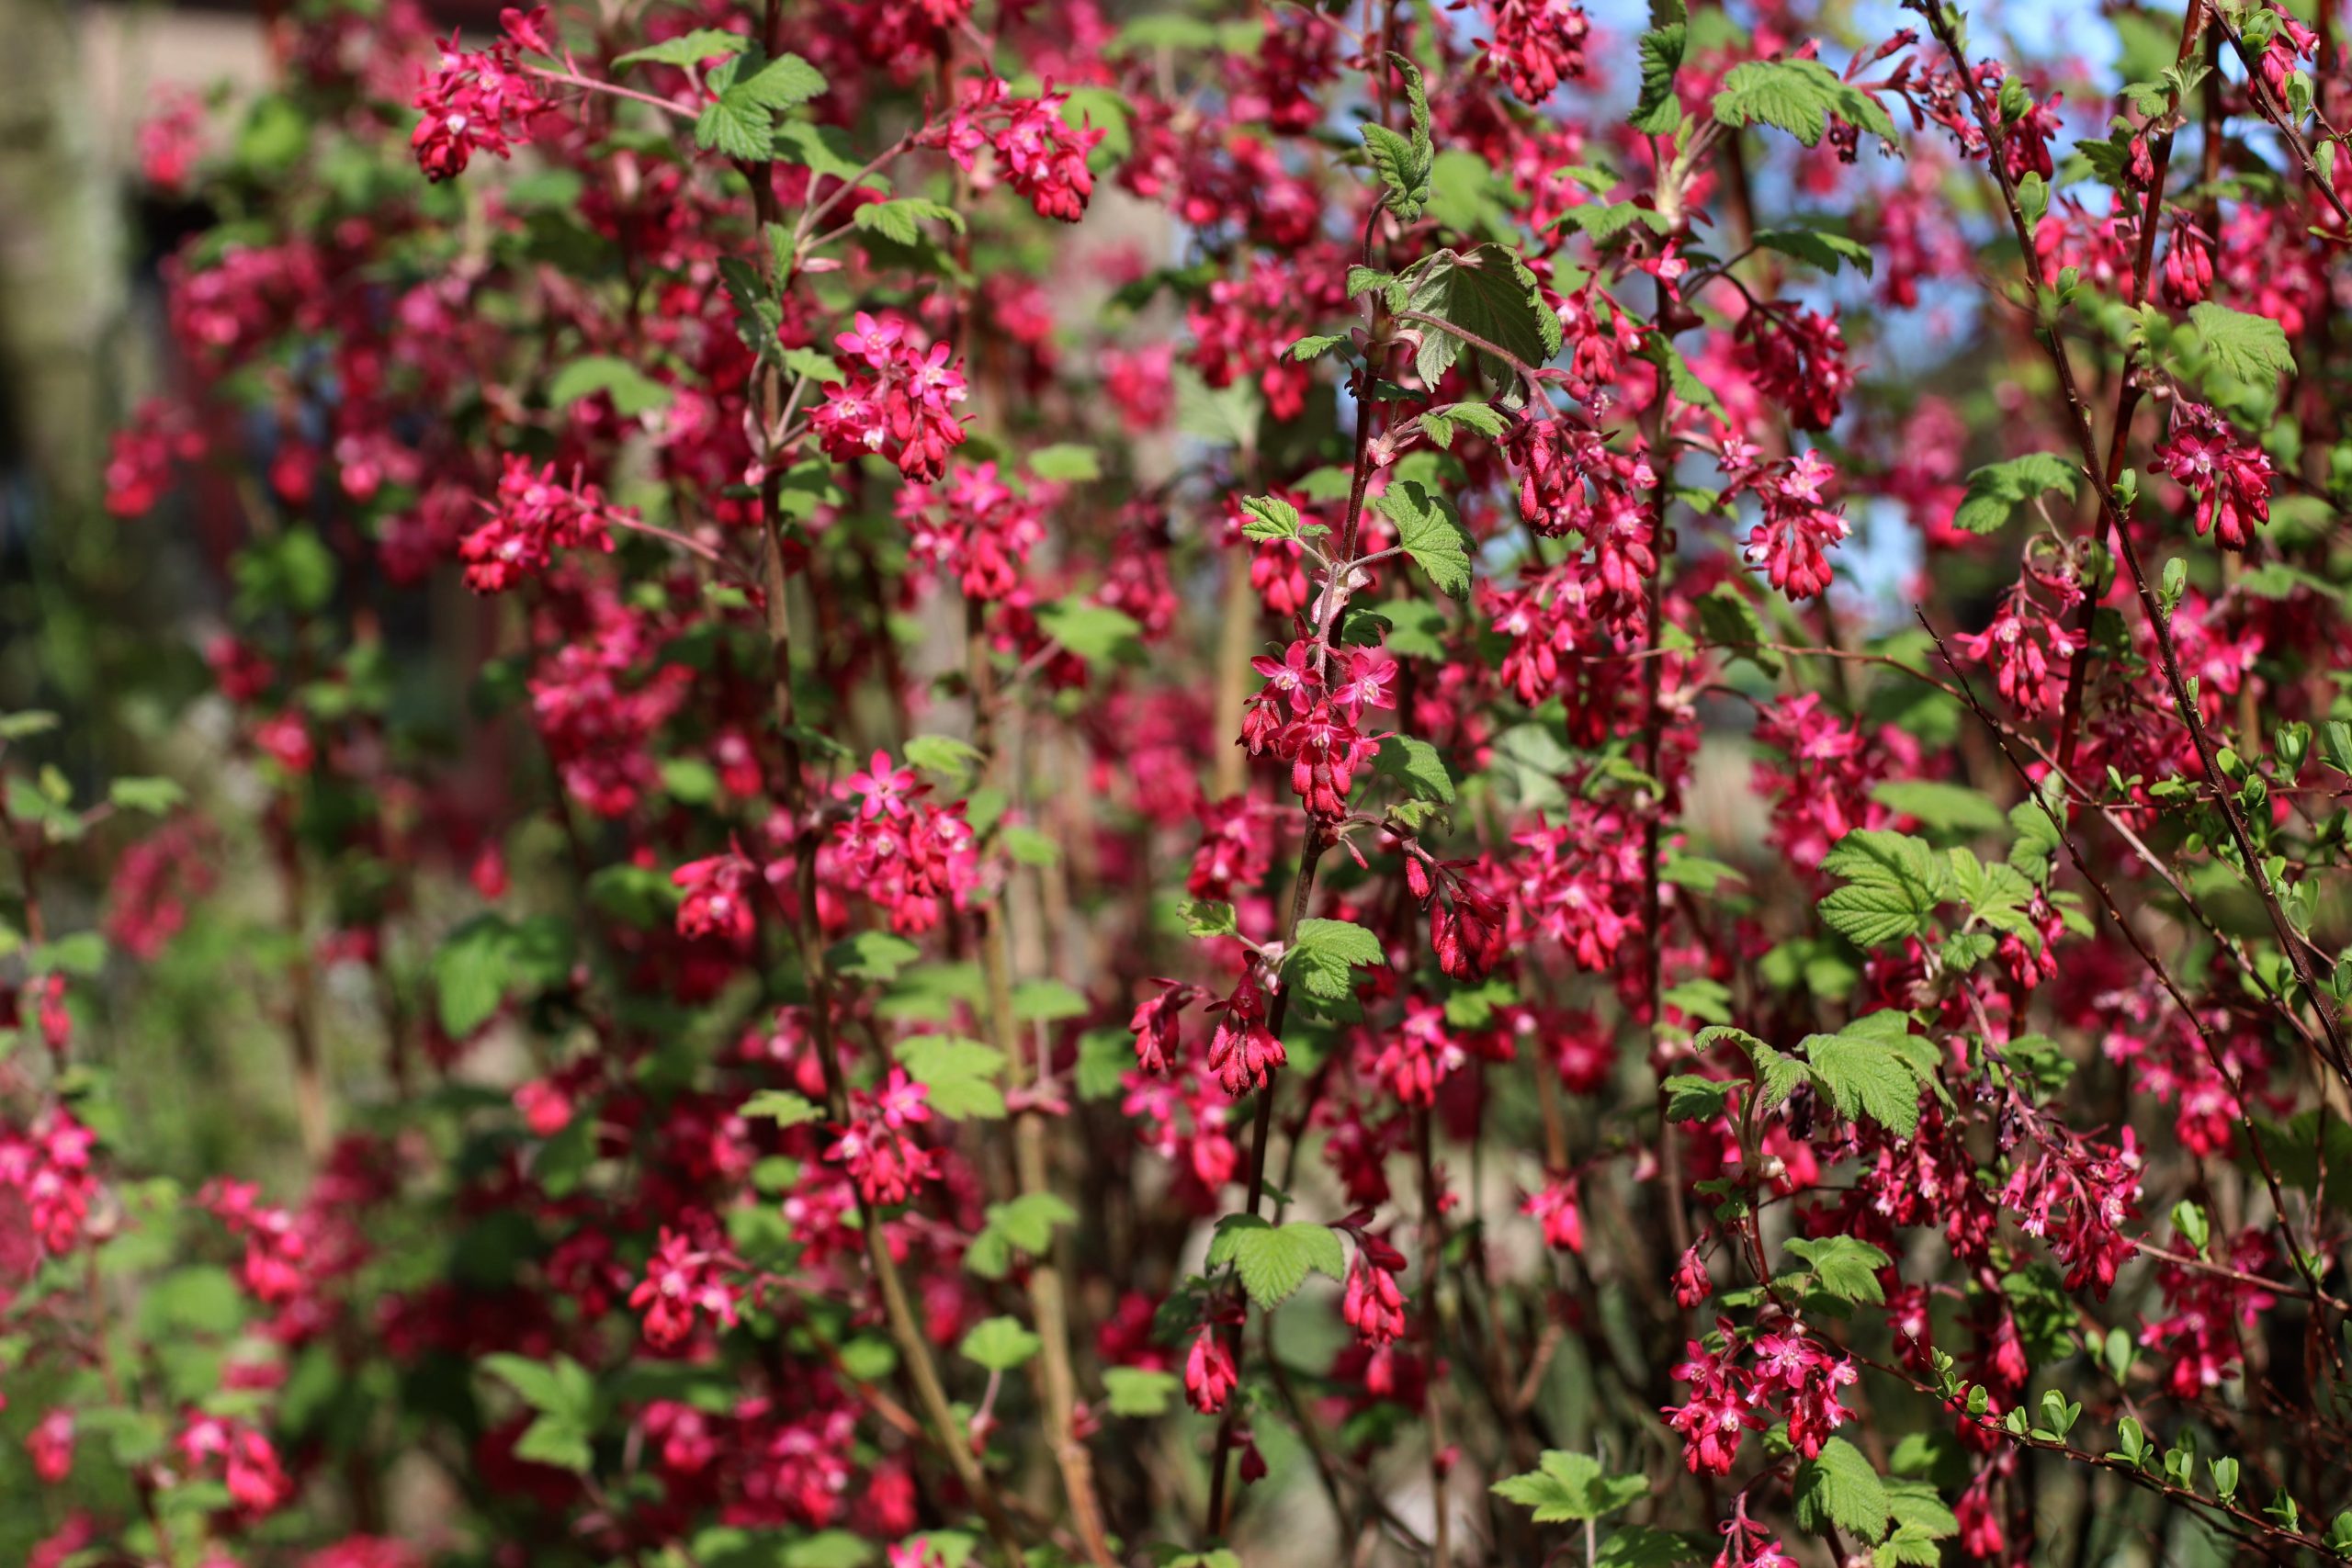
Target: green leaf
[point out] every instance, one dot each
(901, 219)
(786, 1110)
(1066, 462)
(1941, 807)
(553, 1441)
(1430, 534)
(1817, 248)
(787, 82)
(736, 127)
(477, 964)
(1567, 1487)
(1641, 1546)
(1658, 112)
(1690, 1098)
(758, 317)
(1487, 291)
(1797, 96)
(1418, 766)
(691, 48)
(1837, 1489)
(872, 955)
(823, 150)
(1323, 954)
(1404, 176)
(1030, 846)
(633, 392)
(1096, 633)
(944, 755)
(1438, 424)
(1999, 489)
(1206, 919)
(1697, 872)
(1727, 620)
(1046, 1001)
(1843, 1266)
(2038, 840)
(1680, 379)
(999, 1344)
(740, 121)
(1271, 518)
(1873, 1067)
(1029, 1221)
(1920, 1521)
(1137, 1391)
(1893, 883)
(1273, 1261)
(154, 797)
(2249, 347)
(562, 1387)
(1404, 162)
(1313, 347)
(958, 1076)
(25, 724)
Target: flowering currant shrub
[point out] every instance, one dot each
(1392, 783)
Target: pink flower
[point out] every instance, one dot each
(718, 900)
(1209, 1375)
(680, 1282)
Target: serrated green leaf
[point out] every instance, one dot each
(901, 219)
(1817, 248)
(872, 955)
(1567, 1487)
(1418, 766)
(944, 755)
(1690, 1098)
(2251, 348)
(1996, 490)
(1139, 1391)
(999, 1344)
(959, 1077)
(1430, 534)
(1096, 633)
(1324, 953)
(1939, 807)
(1837, 1489)
(786, 1110)
(688, 48)
(1487, 291)
(1843, 1266)
(1870, 1068)
(1657, 111)
(1271, 518)
(1273, 1261)
(155, 796)
(633, 392)
(1066, 462)
(1893, 884)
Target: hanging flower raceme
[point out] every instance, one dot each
(1038, 151)
(482, 101)
(1244, 1052)
(2228, 479)
(717, 900)
(1536, 44)
(879, 1147)
(897, 401)
(683, 1282)
(1373, 1304)
(1797, 359)
(974, 527)
(1793, 542)
(532, 516)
